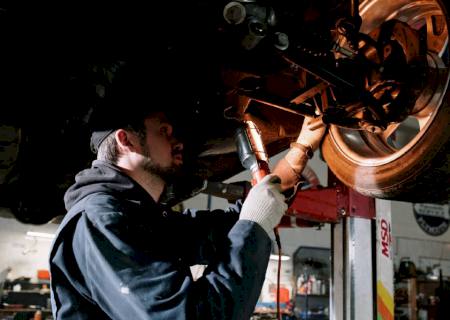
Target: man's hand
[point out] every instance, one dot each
(291, 166)
(311, 133)
(265, 204)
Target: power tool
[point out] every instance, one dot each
(253, 157)
(251, 150)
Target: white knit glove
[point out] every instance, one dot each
(265, 204)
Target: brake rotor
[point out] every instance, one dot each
(397, 78)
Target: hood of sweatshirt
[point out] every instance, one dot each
(104, 177)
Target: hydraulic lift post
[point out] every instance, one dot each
(352, 272)
(362, 265)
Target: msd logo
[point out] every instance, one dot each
(385, 228)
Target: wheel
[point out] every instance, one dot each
(409, 160)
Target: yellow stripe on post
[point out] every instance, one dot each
(385, 296)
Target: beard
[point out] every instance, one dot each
(168, 173)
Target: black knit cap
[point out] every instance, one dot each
(165, 64)
(175, 78)
(135, 91)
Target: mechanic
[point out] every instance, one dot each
(121, 254)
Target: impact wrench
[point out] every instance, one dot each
(253, 157)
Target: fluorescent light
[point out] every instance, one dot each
(40, 235)
(283, 257)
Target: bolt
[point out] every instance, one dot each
(282, 41)
(234, 13)
(342, 212)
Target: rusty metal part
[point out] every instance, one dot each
(305, 111)
(396, 79)
(388, 94)
(296, 105)
(403, 34)
(314, 65)
(258, 90)
(318, 89)
(382, 101)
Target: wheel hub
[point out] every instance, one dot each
(413, 38)
(395, 75)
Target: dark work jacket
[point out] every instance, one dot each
(120, 255)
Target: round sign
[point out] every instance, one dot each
(434, 219)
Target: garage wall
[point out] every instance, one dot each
(411, 241)
(24, 255)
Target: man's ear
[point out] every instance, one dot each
(125, 140)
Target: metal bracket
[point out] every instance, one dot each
(328, 205)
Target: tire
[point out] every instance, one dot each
(417, 171)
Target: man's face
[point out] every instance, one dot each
(162, 152)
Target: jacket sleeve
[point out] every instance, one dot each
(205, 232)
(129, 280)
